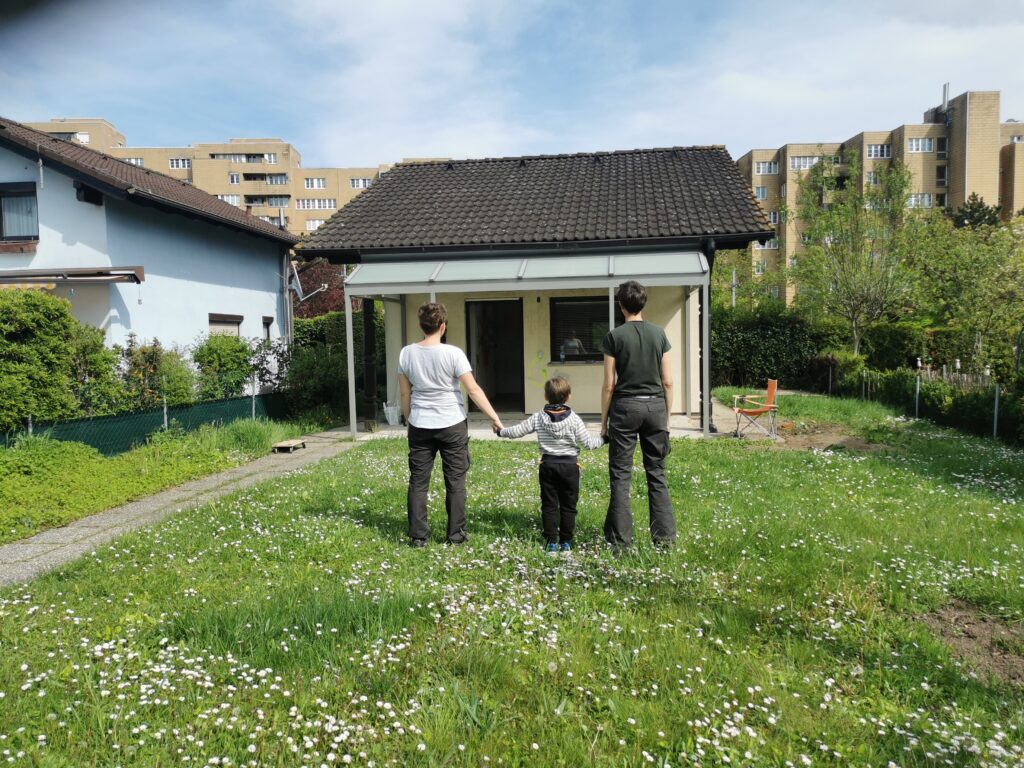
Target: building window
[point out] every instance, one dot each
(940, 176)
(233, 199)
(316, 183)
(803, 162)
(782, 191)
(792, 262)
(769, 245)
(314, 224)
(225, 325)
(180, 163)
(766, 168)
(941, 144)
(254, 158)
(1017, 139)
(872, 179)
(316, 205)
(268, 323)
(360, 183)
(82, 137)
(761, 193)
(773, 217)
(278, 201)
(232, 157)
(940, 200)
(920, 200)
(19, 215)
(578, 326)
(271, 158)
(773, 291)
(920, 145)
(879, 151)
(277, 178)
(234, 178)
(277, 221)
(759, 266)
(135, 161)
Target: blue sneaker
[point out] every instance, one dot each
(565, 546)
(551, 549)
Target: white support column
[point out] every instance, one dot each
(705, 345)
(611, 308)
(433, 297)
(350, 354)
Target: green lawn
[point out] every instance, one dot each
(288, 625)
(47, 483)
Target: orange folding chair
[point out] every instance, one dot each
(750, 408)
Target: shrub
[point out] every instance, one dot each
(94, 382)
(831, 370)
(224, 366)
(317, 376)
(35, 358)
(140, 371)
(177, 379)
(894, 345)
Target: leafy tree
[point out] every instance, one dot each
(852, 266)
(224, 366)
(314, 274)
(752, 291)
(975, 213)
(94, 381)
(140, 371)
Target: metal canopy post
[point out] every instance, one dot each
(705, 343)
(350, 354)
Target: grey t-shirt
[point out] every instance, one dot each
(434, 373)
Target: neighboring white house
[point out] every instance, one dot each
(133, 250)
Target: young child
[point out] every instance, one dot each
(560, 433)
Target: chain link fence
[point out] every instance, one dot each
(119, 433)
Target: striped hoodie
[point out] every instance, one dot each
(560, 433)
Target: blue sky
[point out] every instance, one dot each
(365, 83)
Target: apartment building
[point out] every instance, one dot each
(959, 148)
(262, 176)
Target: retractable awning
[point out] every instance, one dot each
(527, 274)
(28, 286)
(49, 278)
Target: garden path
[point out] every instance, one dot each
(28, 558)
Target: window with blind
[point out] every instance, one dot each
(225, 325)
(19, 217)
(578, 326)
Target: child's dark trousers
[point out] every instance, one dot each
(559, 493)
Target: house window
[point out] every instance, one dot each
(920, 200)
(920, 145)
(316, 183)
(761, 193)
(766, 168)
(940, 176)
(773, 217)
(941, 144)
(234, 178)
(268, 323)
(578, 326)
(360, 183)
(180, 163)
(225, 325)
(759, 266)
(314, 224)
(233, 199)
(277, 178)
(879, 151)
(316, 205)
(872, 179)
(19, 215)
(135, 161)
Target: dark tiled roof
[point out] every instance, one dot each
(133, 181)
(641, 195)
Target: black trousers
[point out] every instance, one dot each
(453, 445)
(631, 419)
(559, 494)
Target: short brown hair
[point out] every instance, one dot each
(557, 390)
(632, 296)
(432, 316)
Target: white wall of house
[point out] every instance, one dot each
(193, 267)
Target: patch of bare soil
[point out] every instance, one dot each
(990, 646)
(821, 438)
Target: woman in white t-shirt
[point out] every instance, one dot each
(429, 374)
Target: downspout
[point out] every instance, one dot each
(287, 325)
(704, 316)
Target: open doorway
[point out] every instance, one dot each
(494, 345)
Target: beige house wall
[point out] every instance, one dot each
(666, 306)
(1011, 191)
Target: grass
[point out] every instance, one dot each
(288, 625)
(48, 483)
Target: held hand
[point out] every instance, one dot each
(496, 425)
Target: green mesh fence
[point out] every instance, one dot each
(117, 434)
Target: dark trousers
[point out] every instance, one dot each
(628, 420)
(559, 493)
(424, 444)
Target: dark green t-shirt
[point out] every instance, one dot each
(637, 347)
